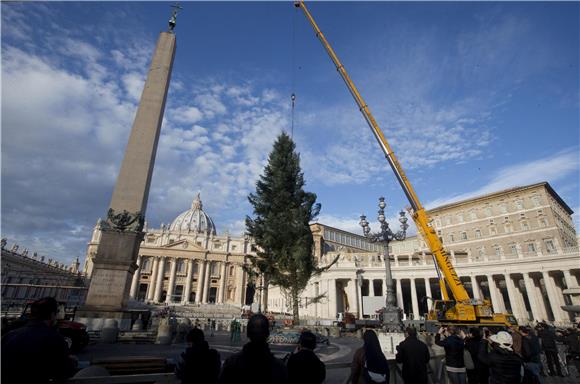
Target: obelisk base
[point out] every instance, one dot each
(392, 320)
(114, 265)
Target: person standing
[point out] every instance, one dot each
(531, 350)
(480, 373)
(304, 367)
(369, 364)
(255, 363)
(37, 353)
(548, 336)
(198, 363)
(505, 366)
(414, 355)
(454, 346)
(572, 341)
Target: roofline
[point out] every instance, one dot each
(505, 191)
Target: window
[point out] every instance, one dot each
(536, 201)
(451, 238)
(531, 247)
(463, 235)
(497, 249)
(488, 211)
(491, 222)
(145, 264)
(514, 249)
(477, 234)
(540, 212)
(460, 218)
(481, 252)
(231, 270)
(472, 215)
(447, 220)
(508, 228)
(525, 226)
(438, 223)
(550, 246)
(543, 223)
(492, 231)
(506, 219)
(519, 204)
(503, 208)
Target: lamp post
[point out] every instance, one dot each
(391, 313)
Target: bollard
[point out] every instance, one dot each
(110, 331)
(164, 333)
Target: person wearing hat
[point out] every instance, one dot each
(505, 366)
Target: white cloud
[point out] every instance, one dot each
(552, 169)
(186, 114)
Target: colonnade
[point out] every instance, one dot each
(527, 295)
(204, 276)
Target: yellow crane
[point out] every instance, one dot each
(459, 309)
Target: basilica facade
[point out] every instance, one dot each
(517, 247)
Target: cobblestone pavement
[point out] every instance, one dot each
(337, 356)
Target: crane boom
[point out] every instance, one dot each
(419, 215)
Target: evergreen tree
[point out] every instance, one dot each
(280, 227)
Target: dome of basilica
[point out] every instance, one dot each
(194, 220)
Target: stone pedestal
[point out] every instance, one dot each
(389, 342)
(110, 331)
(392, 319)
(114, 265)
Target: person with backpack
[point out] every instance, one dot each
(369, 364)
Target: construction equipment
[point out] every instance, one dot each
(459, 308)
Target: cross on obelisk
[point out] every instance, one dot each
(122, 230)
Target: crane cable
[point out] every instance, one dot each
(293, 73)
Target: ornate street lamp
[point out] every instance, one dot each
(391, 313)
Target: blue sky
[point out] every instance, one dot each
(474, 98)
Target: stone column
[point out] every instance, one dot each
(428, 293)
(535, 305)
(221, 294)
(475, 288)
(570, 280)
(359, 299)
(239, 285)
(171, 287)
(354, 294)
(136, 278)
(514, 303)
(188, 280)
(559, 314)
(496, 299)
(332, 298)
(159, 283)
(200, 280)
(153, 279)
(400, 295)
(414, 301)
(207, 281)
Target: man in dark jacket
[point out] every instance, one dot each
(572, 341)
(414, 355)
(531, 350)
(255, 363)
(548, 336)
(304, 367)
(480, 373)
(198, 363)
(37, 353)
(505, 366)
(454, 346)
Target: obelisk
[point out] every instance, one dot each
(122, 230)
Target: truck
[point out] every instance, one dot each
(456, 307)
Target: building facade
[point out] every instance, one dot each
(27, 277)
(517, 247)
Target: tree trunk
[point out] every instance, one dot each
(295, 307)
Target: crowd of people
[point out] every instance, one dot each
(482, 357)
(518, 355)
